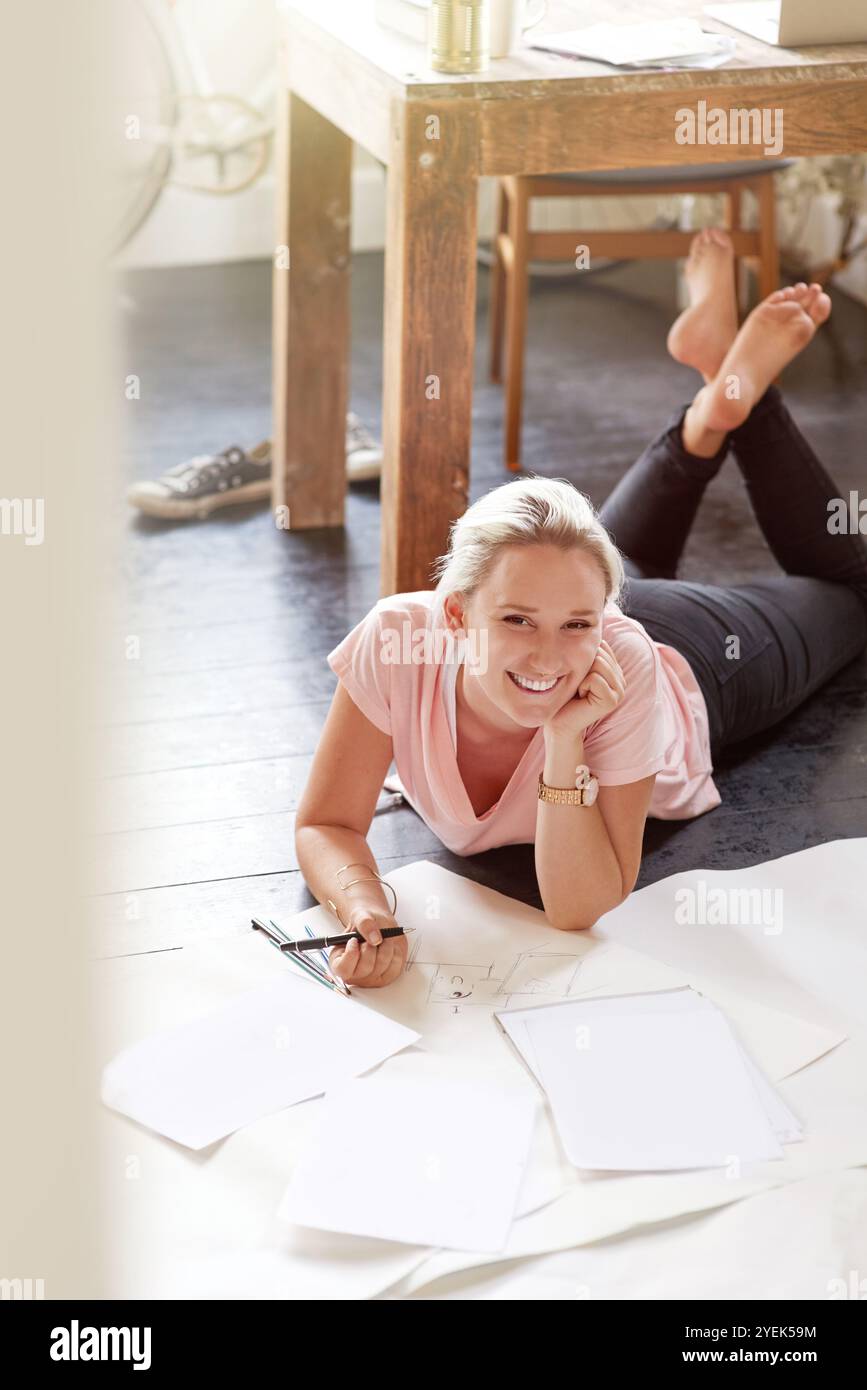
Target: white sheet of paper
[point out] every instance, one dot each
(785, 1125)
(439, 1164)
(267, 1048)
(649, 1088)
(767, 946)
(633, 44)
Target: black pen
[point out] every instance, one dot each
(318, 943)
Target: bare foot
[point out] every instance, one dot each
(812, 299)
(775, 332)
(703, 333)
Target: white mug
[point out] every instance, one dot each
(509, 19)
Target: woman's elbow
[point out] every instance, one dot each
(586, 920)
(582, 923)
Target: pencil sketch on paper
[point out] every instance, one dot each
(537, 974)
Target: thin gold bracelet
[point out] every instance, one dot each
(363, 878)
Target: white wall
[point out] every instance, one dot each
(192, 229)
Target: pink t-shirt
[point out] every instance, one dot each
(395, 665)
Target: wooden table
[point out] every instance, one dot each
(343, 78)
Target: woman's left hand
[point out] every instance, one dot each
(600, 691)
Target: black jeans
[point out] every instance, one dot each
(757, 650)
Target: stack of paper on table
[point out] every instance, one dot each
(650, 1082)
(655, 43)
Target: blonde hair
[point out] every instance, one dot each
(527, 511)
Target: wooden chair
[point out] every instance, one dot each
(515, 246)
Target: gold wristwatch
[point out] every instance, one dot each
(582, 794)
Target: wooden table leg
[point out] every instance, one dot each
(516, 322)
(430, 306)
(310, 317)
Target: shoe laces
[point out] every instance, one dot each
(203, 467)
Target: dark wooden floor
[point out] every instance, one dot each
(217, 720)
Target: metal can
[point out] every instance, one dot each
(459, 35)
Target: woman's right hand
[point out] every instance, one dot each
(364, 963)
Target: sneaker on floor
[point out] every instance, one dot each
(363, 452)
(205, 482)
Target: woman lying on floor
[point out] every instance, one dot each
(588, 668)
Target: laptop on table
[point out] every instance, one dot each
(794, 23)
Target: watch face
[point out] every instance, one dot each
(590, 792)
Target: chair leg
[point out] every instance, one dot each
(768, 264)
(769, 252)
(516, 324)
(498, 289)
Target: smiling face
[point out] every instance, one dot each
(541, 610)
